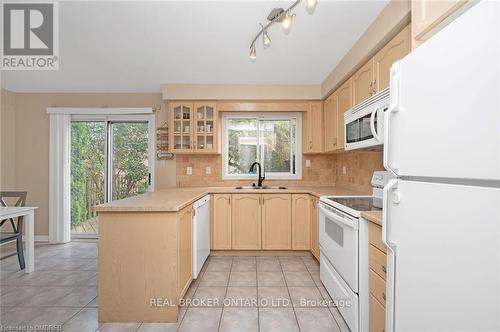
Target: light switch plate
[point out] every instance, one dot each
(208, 170)
(189, 170)
(308, 163)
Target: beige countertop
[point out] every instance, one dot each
(175, 199)
(373, 216)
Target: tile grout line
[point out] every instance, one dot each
(225, 294)
(258, 303)
(290, 295)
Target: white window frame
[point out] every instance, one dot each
(263, 116)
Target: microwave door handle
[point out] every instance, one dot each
(372, 124)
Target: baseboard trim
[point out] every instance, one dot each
(260, 253)
(41, 238)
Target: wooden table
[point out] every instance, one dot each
(28, 213)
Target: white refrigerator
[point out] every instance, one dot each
(442, 212)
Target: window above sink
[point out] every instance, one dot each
(272, 139)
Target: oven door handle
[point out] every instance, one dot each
(338, 218)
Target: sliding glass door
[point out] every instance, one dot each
(110, 159)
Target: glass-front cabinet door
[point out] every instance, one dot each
(182, 120)
(205, 122)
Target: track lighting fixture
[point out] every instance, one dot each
(280, 15)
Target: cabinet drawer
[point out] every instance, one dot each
(376, 237)
(377, 287)
(378, 261)
(377, 316)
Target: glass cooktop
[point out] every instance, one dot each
(359, 203)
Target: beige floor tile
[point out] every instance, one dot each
(219, 265)
(241, 297)
(214, 279)
(84, 321)
(163, 327)
(208, 297)
(298, 278)
(306, 297)
(316, 279)
(244, 265)
(268, 265)
(326, 296)
(51, 278)
(94, 303)
(274, 297)
(243, 279)
(119, 327)
(267, 258)
(239, 320)
(293, 265)
(38, 316)
(311, 264)
(201, 319)
(277, 320)
(270, 278)
(316, 320)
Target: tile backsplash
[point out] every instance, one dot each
(320, 173)
(325, 170)
(359, 167)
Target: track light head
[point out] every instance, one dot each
(253, 53)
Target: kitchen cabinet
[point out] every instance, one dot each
(344, 103)
(397, 48)
(185, 256)
(330, 106)
(377, 276)
(276, 221)
(315, 227)
(313, 128)
(428, 15)
(301, 222)
(193, 128)
(362, 83)
(221, 222)
(246, 221)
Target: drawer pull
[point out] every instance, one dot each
(384, 269)
(383, 295)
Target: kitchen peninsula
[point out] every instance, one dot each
(145, 243)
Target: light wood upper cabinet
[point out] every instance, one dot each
(427, 15)
(344, 100)
(301, 222)
(185, 255)
(276, 221)
(221, 222)
(193, 128)
(246, 221)
(181, 127)
(330, 106)
(313, 128)
(394, 50)
(314, 227)
(362, 82)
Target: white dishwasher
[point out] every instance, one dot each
(201, 233)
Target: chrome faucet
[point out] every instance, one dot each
(260, 178)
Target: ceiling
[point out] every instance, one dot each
(123, 46)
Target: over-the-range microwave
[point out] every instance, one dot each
(364, 123)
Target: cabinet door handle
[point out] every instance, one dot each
(370, 89)
(374, 86)
(383, 295)
(384, 269)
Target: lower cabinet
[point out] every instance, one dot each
(277, 221)
(301, 222)
(315, 227)
(377, 277)
(185, 256)
(246, 219)
(221, 222)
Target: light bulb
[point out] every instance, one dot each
(253, 53)
(287, 23)
(265, 39)
(311, 5)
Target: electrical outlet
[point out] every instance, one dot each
(308, 163)
(344, 170)
(208, 170)
(189, 170)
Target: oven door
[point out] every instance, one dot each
(339, 242)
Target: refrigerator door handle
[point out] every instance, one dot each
(393, 107)
(391, 258)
